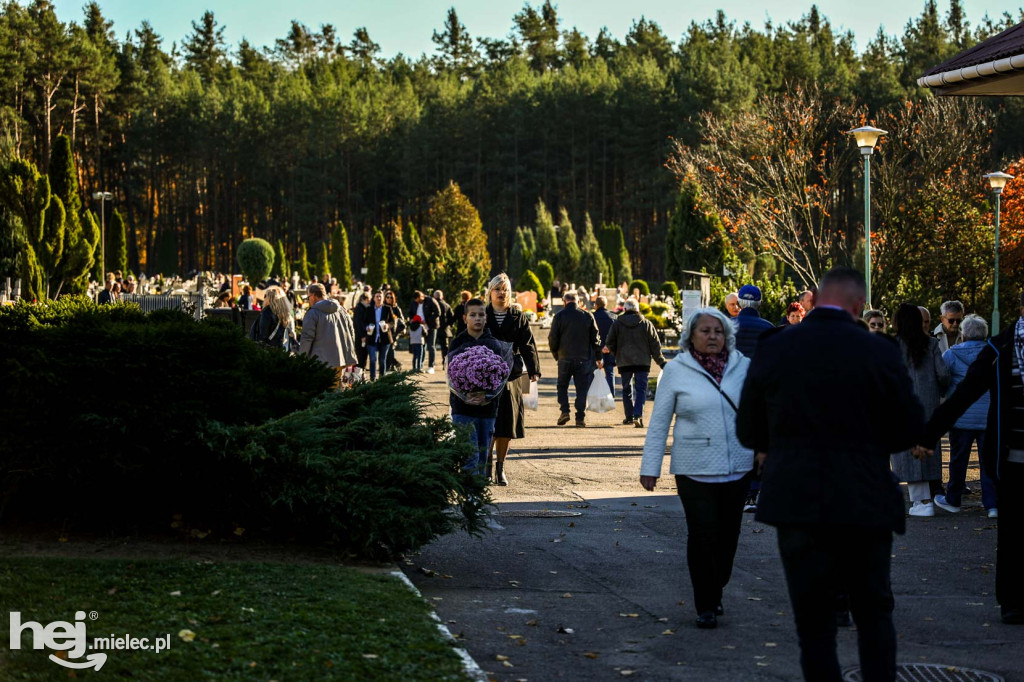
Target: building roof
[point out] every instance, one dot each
(992, 67)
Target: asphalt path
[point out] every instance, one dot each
(605, 595)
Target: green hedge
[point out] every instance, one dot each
(641, 285)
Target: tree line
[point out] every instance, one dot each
(205, 144)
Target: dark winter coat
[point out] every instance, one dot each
(749, 327)
(633, 341)
(573, 335)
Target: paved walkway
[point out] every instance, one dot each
(605, 595)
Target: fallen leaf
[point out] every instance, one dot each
(239, 531)
(176, 593)
(663, 620)
(669, 632)
(630, 615)
(565, 631)
(532, 623)
(567, 595)
(770, 644)
(763, 665)
(499, 657)
(506, 664)
(186, 635)
(215, 593)
(370, 656)
(515, 636)
(626, 673)
(572, 524)
(591, 654)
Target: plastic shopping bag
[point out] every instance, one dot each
(599, 397)
(532, 400)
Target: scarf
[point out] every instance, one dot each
(714, 364)
(1018, 343)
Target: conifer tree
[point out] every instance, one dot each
(546, 274)
(377, 261)
(519, 259)
(401, 263)
(77, 257)
(568, 248)
(454, 234)
(613, 246)
(26, 193)
(593, 264)
(117, 244)
(696, 238)
(303, 264)
(325, 262)
(341, 262)
(547, 238)
(281, 266)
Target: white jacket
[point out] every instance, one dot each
(704, 441)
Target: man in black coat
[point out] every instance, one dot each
(997, 370)
(445, 322)
(605, 320)
(828, 401)
(576, 345)
(428, 310)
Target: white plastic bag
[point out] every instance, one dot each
(599, 397)
(532, 400)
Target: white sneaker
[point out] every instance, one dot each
(993, 513)
(940, 500)
(430, 370)
(922, 509)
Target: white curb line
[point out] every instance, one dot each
(472, 669)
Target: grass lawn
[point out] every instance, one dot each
(251, 621)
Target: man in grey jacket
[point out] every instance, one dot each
(327, 332)
(633, 341)
(576, 345)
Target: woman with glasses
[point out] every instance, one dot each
(875, 320)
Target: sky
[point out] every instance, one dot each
(406, 26)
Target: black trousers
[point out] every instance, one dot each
(581, 373)
(818, 560)
(713, 515)
(1009, 549)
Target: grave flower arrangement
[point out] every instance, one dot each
(477, 375)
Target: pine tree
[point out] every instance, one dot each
(547, 238)
(325, 263)
(519, 260)
(281, 266)
(303, 264)
(377, 261)
(341, 262)
(568, 248)
(117, 244)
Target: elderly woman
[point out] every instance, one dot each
(508, 323)
(930, 376)
(700, 389)
(970, 427)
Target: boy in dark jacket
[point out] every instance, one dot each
(477, 415)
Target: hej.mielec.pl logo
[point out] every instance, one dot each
(72, 638)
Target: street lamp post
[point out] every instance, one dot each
(103, 197)
(997, 181)
(866, 137)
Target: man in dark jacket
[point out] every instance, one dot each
(445, 322)
(360, 312)
(828, 401)
(634, 343)
(576, 345)
(997, 370)
(749, 323)
(604, 321)
(428, 310)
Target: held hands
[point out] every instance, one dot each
(920, 452)
(648, 482)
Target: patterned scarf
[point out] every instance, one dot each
(713, 363)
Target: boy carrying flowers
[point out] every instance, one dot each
(478, 368)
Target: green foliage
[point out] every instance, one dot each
(402, 263)
(113, 452)
(658, 321)
(529, 282)
(377, 261)
(325, 262)
(454, 237)
(303, 264)
(670, 288)
(521, 256)
(641, 285)
(341, 262)
(593, 264)
(365, 468)
(659, 308)
(79, 240)
(696, 238)
(117, 244)
(25, 194)
(281, 266)
(256, 259)
(547, 237)
(546, 274)
(568, 248)
(613, 246)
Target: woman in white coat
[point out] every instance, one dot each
(700, 388)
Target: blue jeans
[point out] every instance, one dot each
(378, 356)
(634, 392)
(430, 339)
(417, 355)
(582, 374)
(960, 441)
(480, 432)
(609, 370)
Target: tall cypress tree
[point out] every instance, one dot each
(281, 268)
(613, 246)
(341, 263)
(568, 248)
(117, 244)
(303, 265)
(519, 259)
(401, 262)
(377, 261)
(76, 259)
(325, 262)
(547, 238)
(593, 264)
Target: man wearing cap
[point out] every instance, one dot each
(749, 323)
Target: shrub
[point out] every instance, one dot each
(645, 309)
(529, 282)
(546, 274)
(103, 405)
(641, 285)
(256, 259)
(670, 288)
(659, 308)
(364, 468)
(658, 321)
